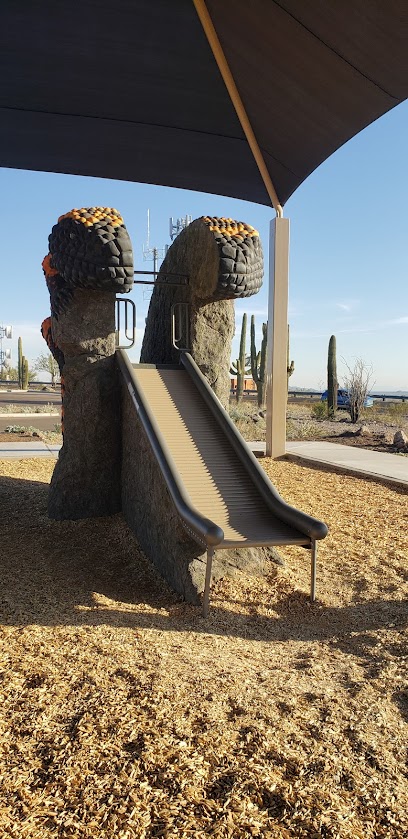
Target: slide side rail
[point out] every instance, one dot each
(311, 527)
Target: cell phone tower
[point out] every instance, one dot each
(178, 225)
(152, 252)
(5, 355)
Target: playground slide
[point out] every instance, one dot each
(221, 493)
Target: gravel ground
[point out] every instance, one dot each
(380, 425)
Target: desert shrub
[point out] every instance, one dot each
(14, 429)
(319, 410)
(398, 411)
(303, 431)
(357, 382)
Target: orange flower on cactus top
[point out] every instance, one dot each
(230, 228)
(49, 271)
(92, 215)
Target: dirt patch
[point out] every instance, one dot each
(17, 437)
(373, 441)
(125, 713)
(381, 423)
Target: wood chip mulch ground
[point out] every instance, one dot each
(124, 714)
(20, 437)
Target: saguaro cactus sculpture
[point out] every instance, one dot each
(332, 383)
(239, 367)
(90, 258)
(218, 260)
(258, 362)
(212, 261)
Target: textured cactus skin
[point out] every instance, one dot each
(290, 365)
(258, 361)
(24, 373)
(239, 365)
(89, 248)
(240, 257)
(332, 377)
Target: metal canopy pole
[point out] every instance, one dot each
(276, 371)
(276, 386)
(236, 100)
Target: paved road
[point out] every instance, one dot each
(29, 397)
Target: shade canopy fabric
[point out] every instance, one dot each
(131, 90)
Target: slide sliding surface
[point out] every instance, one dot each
(221, 493)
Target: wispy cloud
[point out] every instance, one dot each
(404, 319)
(347, 305)
(375, 326)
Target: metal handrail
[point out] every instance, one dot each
(178, 312)
(130, 336)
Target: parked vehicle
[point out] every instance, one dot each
(343, 399)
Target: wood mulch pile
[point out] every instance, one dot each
(124, 713)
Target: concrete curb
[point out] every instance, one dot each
(363, 463)
(21, 451)
(386, 468)
(25, 416)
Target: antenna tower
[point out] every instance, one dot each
(5, 355)
(178, 225)
(152, 252)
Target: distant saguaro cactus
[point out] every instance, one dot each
(290, 365)
(20, 363)
(24, 380)
(238, 368)
(332, 383)
(258, 362)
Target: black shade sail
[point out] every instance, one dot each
(130, 89)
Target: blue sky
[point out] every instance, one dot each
(348, 261)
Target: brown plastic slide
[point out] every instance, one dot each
(221, 493)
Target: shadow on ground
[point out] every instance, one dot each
(92, 572)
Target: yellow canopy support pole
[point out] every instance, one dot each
(236, 100)
(276, 389)
(276, 370)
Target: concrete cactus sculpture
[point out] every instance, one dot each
(212, 262)
(89, 260)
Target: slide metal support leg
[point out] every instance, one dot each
(206, 599)
(313, 571)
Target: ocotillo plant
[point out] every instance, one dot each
(258, 362)
(238, 368)
(290, 365)
(20, 363)
(332, 384)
